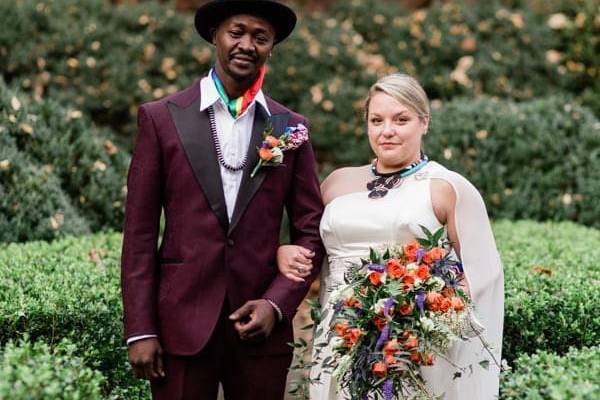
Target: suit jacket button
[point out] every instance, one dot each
(230, 242)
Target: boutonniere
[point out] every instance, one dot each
(270, 153)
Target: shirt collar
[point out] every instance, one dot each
(210, 95)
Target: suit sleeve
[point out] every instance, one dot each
(304, 208)
(139, 264)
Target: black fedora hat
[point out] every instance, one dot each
(210, 15)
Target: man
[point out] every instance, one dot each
(209, 305)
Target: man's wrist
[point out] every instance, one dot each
(277, 310)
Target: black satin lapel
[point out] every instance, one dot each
(193, 128)
(249, 186)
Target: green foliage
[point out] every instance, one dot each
(99, 58)
(40, 372)
(32, 203)
(532, 160)
(70, 289)
(51, 152)
(546, 376)
(551, 286)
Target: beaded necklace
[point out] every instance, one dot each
(383, 182)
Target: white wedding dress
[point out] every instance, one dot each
(352, 223)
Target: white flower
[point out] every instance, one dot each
(412, 266)
(343, 365)
(379, 306)
(277, 155)
(427, 324)
(336, 342)
(437, 282)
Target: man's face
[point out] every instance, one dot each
(243, 44)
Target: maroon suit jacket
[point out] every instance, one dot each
(177, 290)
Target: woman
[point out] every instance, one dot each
(386, 202)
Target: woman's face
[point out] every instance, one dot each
(395, 132)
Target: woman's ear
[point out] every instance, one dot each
(425, 123)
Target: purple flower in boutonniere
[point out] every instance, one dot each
(270, 153)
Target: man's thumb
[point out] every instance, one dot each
(240, 312)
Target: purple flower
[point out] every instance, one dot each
(420, 253)
(420, 300)
(388, 304)
(388, 389)
(338, 305)
(376, 267)
(385, 334)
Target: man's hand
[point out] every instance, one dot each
(145, 357)
(254, 320)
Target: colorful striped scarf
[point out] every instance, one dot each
(237, 106)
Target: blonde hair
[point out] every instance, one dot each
(405, 89)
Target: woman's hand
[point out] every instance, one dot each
(295, 262)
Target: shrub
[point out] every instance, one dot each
(551, 275)
(101, 59)
(32, 203)
(38, 372)
(546, 376)
(70, 289)
(531, 160)
(85, 162)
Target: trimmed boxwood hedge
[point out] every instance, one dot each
(552, 272)
(70, 289)
(546, 376)
(48, 152)
(37, 371)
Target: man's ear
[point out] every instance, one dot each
(213, 34)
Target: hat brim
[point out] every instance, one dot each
(209, 16)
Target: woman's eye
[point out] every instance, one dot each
(375, 121)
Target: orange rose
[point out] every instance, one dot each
(265, 154)
(340, 328)
(411, 342)
(428, 359)
(272, 140)
(390, 360)
(379, 323)
(415, 357)
(433, 301)
(457, 303)
(375, 278)
(395, 269)
(448, 292)
(352, 336)
(391, 347)
(406, 308)
(445, 304)
(379, 369)
(410, 250)
(422, 272)
(409, 281)
(352, 303)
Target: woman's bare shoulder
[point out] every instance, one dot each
(342, 181)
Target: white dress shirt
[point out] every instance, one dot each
(234, 137)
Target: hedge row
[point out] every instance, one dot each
(546, 376)
(39, 371)
(106, 60)
(70, 289)
(58, 174)
(552, 272)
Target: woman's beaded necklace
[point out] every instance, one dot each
(383, 182)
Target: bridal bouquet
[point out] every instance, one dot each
(400, 310)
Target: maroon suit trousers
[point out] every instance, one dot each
(224, 359)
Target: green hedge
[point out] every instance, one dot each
(52, 152)
(546, 376)
(39, 372)
(70, 289)
(552, 272)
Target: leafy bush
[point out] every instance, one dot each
(101, 59)
(38, 372)
(546, 376)
(551, 286)
(82, 160)
(530, 160)
(70, 289)
(32, 204)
